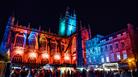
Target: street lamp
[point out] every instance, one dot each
(129, 60)
(131, 63)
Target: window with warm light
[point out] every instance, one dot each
(42, 41)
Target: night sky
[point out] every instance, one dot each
(103, 16)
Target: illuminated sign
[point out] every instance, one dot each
(110, 66)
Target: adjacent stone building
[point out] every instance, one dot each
(117, 47)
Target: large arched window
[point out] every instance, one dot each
(20, 40)
(42, 41)
(53, 46)
(32, 40)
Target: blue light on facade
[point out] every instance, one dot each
(67, 24)
(32, 39)
(79, 51)
(3, 46)
(71, 26)
(93, 52)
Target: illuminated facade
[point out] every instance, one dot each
(33, 46)
(116, 47)
(92, 50)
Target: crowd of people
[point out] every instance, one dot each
(71, 73)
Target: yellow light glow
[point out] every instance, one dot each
(66, 57)
(129, 60)
(19, 51)
(74, 58)
(45, 56)
(32, 55)
(63, 69)
(57, 57)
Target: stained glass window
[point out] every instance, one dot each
(32, 40)
(20, 40)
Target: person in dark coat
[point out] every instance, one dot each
(91, 73)
(23, 73)
(84, 73)
(135, 73)
(127, 73)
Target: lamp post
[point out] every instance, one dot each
(131, 63)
